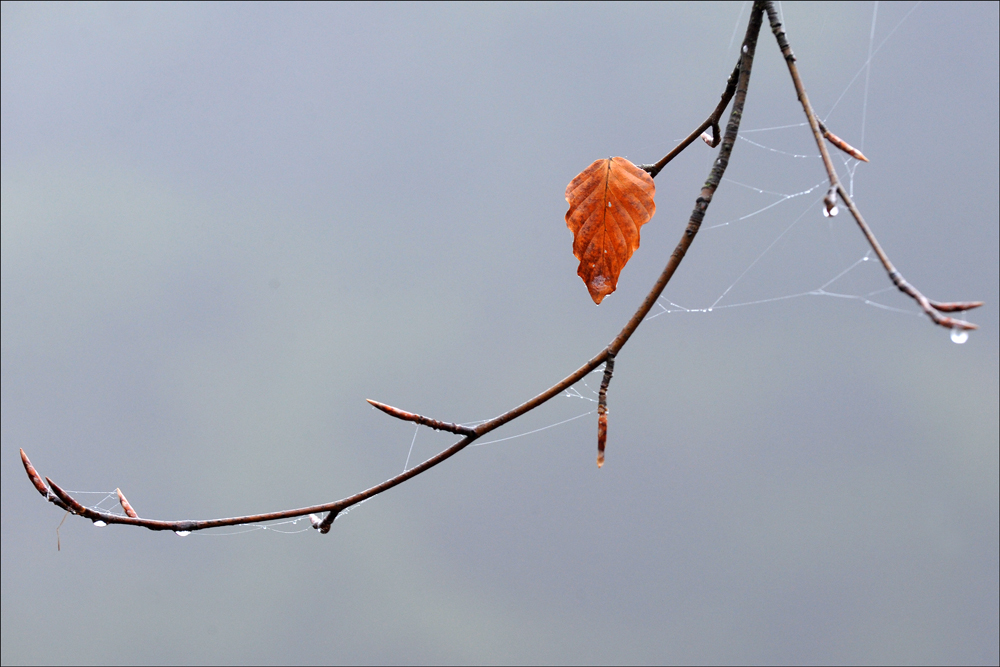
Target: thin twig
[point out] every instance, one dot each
(711, 122)
(840, 143)
(836, 187)
(602, 409)
(36, 481)
(420, 419)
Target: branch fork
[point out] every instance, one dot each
(933, 309)
(735, 92)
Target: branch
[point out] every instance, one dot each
(736, 91)
(932, 308)
(712, 121)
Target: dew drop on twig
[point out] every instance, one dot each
(959, 336)
(182, 533)
(100, 524)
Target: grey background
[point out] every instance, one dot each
(225, 226)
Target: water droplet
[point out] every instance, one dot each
(831, 212)
(609, 204)
(959, 336)
(744, 48)
(102, 524)
(709, 310)
(182, 533)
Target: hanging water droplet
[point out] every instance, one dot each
(100, 524)
(709, 310)
(182, 533)
(959, 336)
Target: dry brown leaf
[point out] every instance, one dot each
(608, 202)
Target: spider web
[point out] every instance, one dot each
(769, 219)
(773, 217)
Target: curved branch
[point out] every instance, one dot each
(932, 308)
(736, 91)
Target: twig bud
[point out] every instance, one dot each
(125, 504)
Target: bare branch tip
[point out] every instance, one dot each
(840, 143)
(125, 504)
(955, 306)
(952, 323)
(389, 410)
(33, 475)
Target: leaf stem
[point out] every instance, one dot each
(711, 122)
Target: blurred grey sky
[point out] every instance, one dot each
(224, 226)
